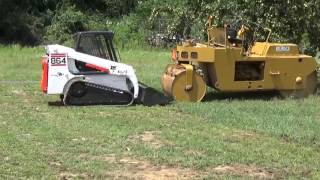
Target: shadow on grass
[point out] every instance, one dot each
(210, 96)
(55, 103)
(261, 95)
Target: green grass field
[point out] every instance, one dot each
(244, 137)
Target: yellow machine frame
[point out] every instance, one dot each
(230, 68)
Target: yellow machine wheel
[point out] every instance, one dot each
(174, 84)
(310, 87)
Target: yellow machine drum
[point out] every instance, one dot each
(174, 84)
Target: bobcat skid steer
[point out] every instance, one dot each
(91, 74)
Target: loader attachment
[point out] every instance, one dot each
(149, 96)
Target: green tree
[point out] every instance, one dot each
(291, 20)
(28, 21)
(18, 22)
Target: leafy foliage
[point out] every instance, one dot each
(19, 21)
(29, 21)
(66, 21)
(291, 21)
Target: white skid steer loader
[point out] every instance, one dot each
(91, 74)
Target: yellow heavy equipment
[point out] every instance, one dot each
(231, 62)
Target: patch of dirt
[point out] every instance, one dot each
(110, 158)
(55, 164)
(132, 168)
(193, 153)
(19, 92)
(237, 136)
(6, 158)
(47, 114)
(137, 169)
(244, 170)
(244, 134)
(69, 175)
(79, 139)
(149, 138)
(105, 114)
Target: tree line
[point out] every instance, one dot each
(32, 22)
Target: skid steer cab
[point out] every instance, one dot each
(91, 74)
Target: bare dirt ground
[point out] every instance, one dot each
(138, 169)
(133, 168)
(244, 170)
(149, 138)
